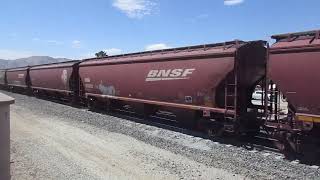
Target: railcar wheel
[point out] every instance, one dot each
(91, 103)
(283, 144)
(279, 143)
(148, 110)
(215, 130)
(187, 119)
(108, 107)
(251, 134)
(74, 100)
(294, 140)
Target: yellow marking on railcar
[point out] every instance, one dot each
(308, 118)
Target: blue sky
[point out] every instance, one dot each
(79, 28)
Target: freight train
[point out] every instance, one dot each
(207, 87)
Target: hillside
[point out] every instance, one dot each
(33, 60)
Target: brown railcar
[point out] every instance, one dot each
(294, 69)
(214, 80)
(58, 80)
(207, 86)
(3, 81)
(18, 79)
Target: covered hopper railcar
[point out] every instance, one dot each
(294, 69)
(212, 82)
(18, 79)
(58, 80)
(3, 79)
(209, 87)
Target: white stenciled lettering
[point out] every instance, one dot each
(164, 73)
(187, 72)
(176, 72)
(153, 73)
(87, 80)
(169, 74)
(20, 75)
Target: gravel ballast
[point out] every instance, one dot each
(165, 153)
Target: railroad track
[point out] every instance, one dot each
(259, 143)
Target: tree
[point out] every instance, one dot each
(101, 54)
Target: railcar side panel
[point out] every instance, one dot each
(2, 77)
(185, 82)
(294, 67)
(297, 75)
(51, 79)
(17, 78)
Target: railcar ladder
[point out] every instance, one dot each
(274, 102)
(230, 98)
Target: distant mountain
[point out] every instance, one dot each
(33, 60)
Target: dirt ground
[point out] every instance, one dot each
(55, 141)
(45, 147)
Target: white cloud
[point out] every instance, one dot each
(15, 54)
(84, 56)
(232, 2)
(35, 39)
(76, 44)
(135, 8)
(198, 18)
(202, 16)
(54, 42)
(159, 46)
(113, 51)
(110, 52)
